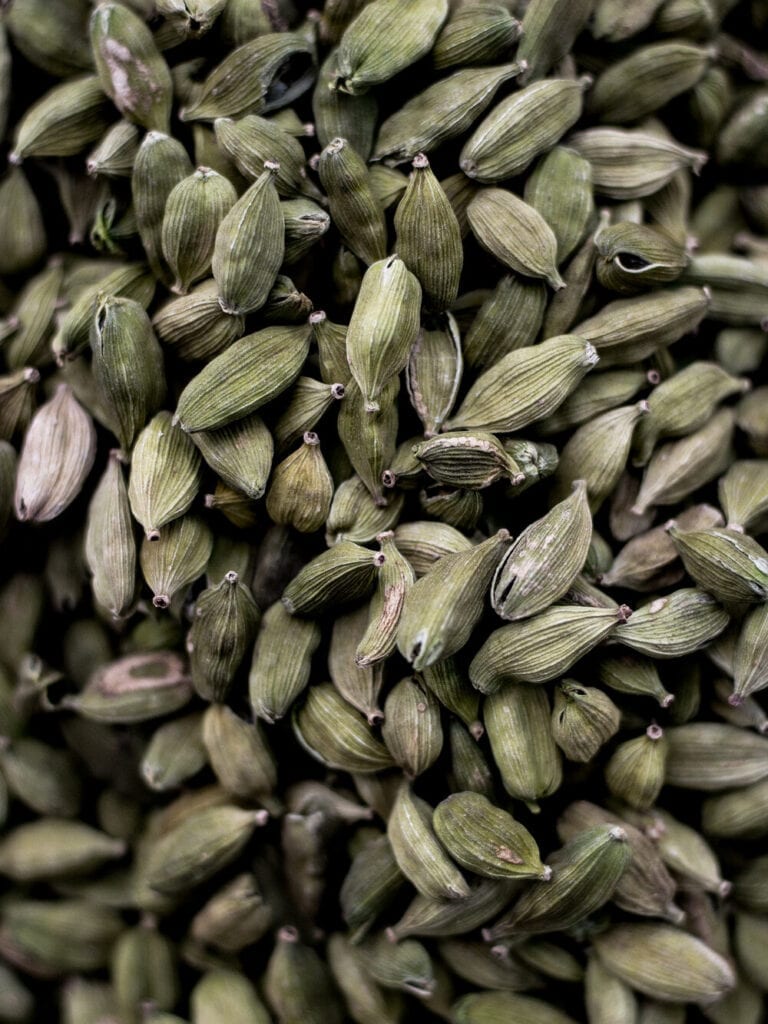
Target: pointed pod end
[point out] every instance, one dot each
(618, 834)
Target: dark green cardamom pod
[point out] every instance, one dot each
(395, 579)
(673, 626)
(165, 474)
(517, 721)
(560, 188)
(510, 318)
(727, 563)
(338, 115)
(249, 246)
(711, 756)
(175, 753)
(405, 966)
(470, 770)
(469, 461)
(239, 754)
(634, 674)
(298, 985)
(115, 153)
(301, 489)
(161, 163)
(63, 122)
(251, 141)
(585, 873)
(635, 772)
(336, 734)
(127, 365)
(143, 970)
(222, 631)
(636, 256)
(241, 454)
(369, 438)
(369, 886)
(358, 684)
(355, 516)
(481, 34)
(411, 728)
(175, 559)
(344, 573)
(429, 237)
(282, 660)
(549, 30)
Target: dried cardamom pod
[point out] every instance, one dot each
(395, 579)
(727, 563)
(636, 770)
(175, 559)
(736, 757)
(344, 573)
(193, 212)
(337, 735)
(549, 29)
(544, 560)
(510, 318)
(339, 115)
(442, 607)
(67, 118)
(239, 754)
(222, 631)
(636, 256)
(161, 163)
(165, 474)
(110, 546)
(411, 727)
(583, 720)
(252, 141)
(302, 488)
(57, 455)
(357, 684)
(281, 662)
(354, 209)
(517, 721)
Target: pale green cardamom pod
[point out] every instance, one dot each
(509, 319)
(664, 963)
(385, 39)
(239, 754)
(309, 400)
(395, 579)
(132, 72)
(517, 721)
(21, 224)
(487, 840)
(355, 516)
(247, 375)
(161, 163)
(383, 327)
(673, 626)
(584, 874)
(743, 494)
(727, 563)
(488, 1007)
(49, 848)
(608, 999)
(433, 374)
(35, 310)
(549, 30)
(337, 735)
(441, 112)
(442, 608)
(165, 474)
(521, 127)
(560, 189)
(405, 966)
(338, 115)
(369, 438)
(174, 754)
(411, 728)
(298, 984)
(635, 772)
(358, 684)
(418, 852)
(252, 141)
(176, 558)
(636, 256)
(468, 460)
(344, 573)
(249, 246)
(441, 918)
(735, 758)
(56, 457)
(479, 34)
(544, 560)
(515, 234)
(110, 546)
(543, 647)
(429, 237)
(64, 121)
(115, 153)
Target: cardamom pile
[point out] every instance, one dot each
(383, 500)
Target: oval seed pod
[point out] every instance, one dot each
(381, 42)
(175, 753)
(583, 720)
(673, 626)
(399, 965)
(249, 247)
(252, 141)
(470, 461)
(240, 453)
(631, 673)
(35, 310)
(234, 917)
(344, 573)
(395, 579)
(727, 563)
(522, 126)
(517, 720)
(176, 559)
(282, 659)
(114, 155)
(127, 365)
(742, 814)
(750, 662)
(338, 115)
(222, 994)
(584, 874)
(442, 608)
(239, 754)
(487, 840)
(337, 735)
(355, 516)
(479, 36)
(247, 375)
(541, 377)
(369, 886)
(560, 189)
(165, 474)
(57, 455)
(479, 1007)
(298, 985)
(549, 29)
(161, 163)
(354, 209)
(21, 224)
(418, 852)
(39, 934)
(428, 236)
(17, 401)
(635, 772)
(515, 234)
(383, 327)
(664, 963)
(711, 756)
(198, 846)
(510, 318)
(360, 685)
(110, 547)
(544, 560)
(369, 438)
(441, 918)
(309, 401)
(684, 403)
(235, 506)
(443, 111)
(305, 223)
(743, 494)
(543, 647)
(193, 213)
(688, 854)
(302, 488)
(63, 122)
(143, 969)
(636, 256)
(132, 72)
(222, 631)
(597, 452)
(411, 727)
(48, 848)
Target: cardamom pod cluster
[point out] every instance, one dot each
(384, 511)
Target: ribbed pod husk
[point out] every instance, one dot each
(222, 631)
(672, 626)
(281, 662)
(165, 474)
(337, 735)
(110, 546)
(711, 756)
(354, 209)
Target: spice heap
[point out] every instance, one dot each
(383, 475)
